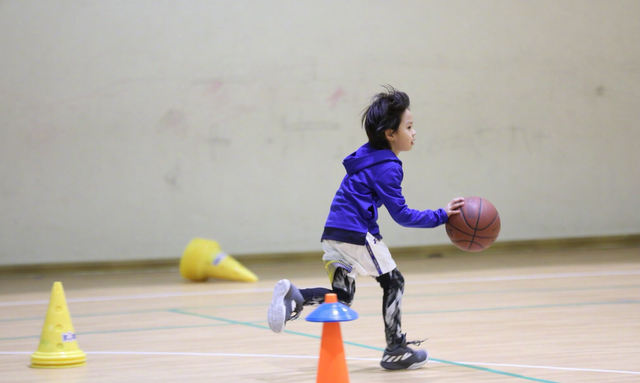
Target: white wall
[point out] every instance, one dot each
(127, 128)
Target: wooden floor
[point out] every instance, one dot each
(555, 316)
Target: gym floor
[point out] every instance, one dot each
(544, 316)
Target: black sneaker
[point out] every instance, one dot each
(403, 357)
(286, 305)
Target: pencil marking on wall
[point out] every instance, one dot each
(335, 98)
(172, 176)
(519, 135)
(301, 126)
(215, 141)
(212, 87)
(175, 122)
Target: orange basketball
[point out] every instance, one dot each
(476, 227)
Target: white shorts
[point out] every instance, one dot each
(372, 259)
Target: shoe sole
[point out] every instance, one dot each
(277, 311)
(394, 367)
(420, 364)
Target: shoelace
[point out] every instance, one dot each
(295, 311)
(417, 342)
(295, 315)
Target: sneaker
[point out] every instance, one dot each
(403, 357)
(285, 306)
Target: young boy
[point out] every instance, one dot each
(351, 239)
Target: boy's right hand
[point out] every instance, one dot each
(454, 206)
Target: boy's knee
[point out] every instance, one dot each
(391, 280)
(343, 285)
(344, 297)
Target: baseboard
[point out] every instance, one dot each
(434, 251)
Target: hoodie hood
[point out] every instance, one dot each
(367, 156)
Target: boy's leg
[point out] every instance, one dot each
(392, 284)
(314, 296)
(286, 305)
(343, 285)
(397, 355)
(287, 300)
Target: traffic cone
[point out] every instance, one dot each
(58, 345)
(332, 366)
(204, 259)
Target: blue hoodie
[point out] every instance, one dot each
(373, 179)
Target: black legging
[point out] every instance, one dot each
(344, 287)
(392, 284)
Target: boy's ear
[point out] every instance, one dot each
(389, 134)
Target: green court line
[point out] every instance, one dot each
(123, 330)
(538, 290)
(89, 315)
(136, 312)
(253, 323)
(491, 370)
(406, 296)
(21, 319)
(579, 304)
(131, 330)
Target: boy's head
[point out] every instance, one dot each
(384, 113)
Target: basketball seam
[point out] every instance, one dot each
(460, 230)
(464, 218)
(491, 223)
(477, 236)
(470, 242)
(465, 221)
(475, 226)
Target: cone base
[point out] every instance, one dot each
(231, 270)
(58, 359)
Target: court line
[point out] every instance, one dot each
(221, 354)
(270, 289)
(504, 373)
(405, 296)
(254, 323)
(558, 368)
(578, 304)
(431, 360)
(123, 330)
(525, 277)
(141, 296)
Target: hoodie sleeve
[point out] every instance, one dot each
(388, 186)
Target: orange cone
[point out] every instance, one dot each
(332, 367)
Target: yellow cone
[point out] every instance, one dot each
(58, 345)
(204, 259)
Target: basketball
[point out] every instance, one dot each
(476, 227)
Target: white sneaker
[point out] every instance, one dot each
(286, 305)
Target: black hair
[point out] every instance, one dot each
(385, 112)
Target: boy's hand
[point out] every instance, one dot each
(454, 206)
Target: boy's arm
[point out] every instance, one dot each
(389, 189)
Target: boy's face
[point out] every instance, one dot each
(402, 139)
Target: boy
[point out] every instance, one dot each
(351, 239)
